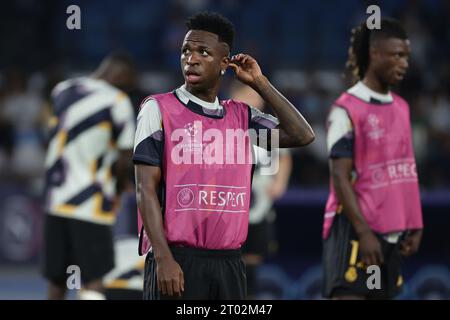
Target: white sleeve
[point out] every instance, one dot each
(124, 122)
(149, 122)
(261, 120)
(339, 125)
(148, 140)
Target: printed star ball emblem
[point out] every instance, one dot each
(373, 120)
(191, 129)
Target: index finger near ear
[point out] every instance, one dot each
(233, 57)
(233, 66)
(240, 56)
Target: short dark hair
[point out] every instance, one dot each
(362, 37)
(215, 23)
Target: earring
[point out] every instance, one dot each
(222, 72)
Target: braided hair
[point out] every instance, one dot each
(360, 41)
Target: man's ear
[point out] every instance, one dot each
(225, 62)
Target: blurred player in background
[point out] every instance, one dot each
(373, 214)
(88, 165)
(196, 214)
(125, 281)
(261, 238)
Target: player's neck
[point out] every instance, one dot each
(375, 84)
(208, 95)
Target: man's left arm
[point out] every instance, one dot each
(294, 130)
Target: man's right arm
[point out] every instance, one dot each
(340, 147)
(147, 159)
(341, 170)
(169, 274)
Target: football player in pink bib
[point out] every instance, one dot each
(193, 177)
(373, 215)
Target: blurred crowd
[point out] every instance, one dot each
(301, 46)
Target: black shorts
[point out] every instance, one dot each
(75, 242)
(208, 275)
(344, 274)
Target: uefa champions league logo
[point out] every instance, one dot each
(185, 197)
(373, 121)
(191, 129)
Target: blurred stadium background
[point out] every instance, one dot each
(301, 45)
